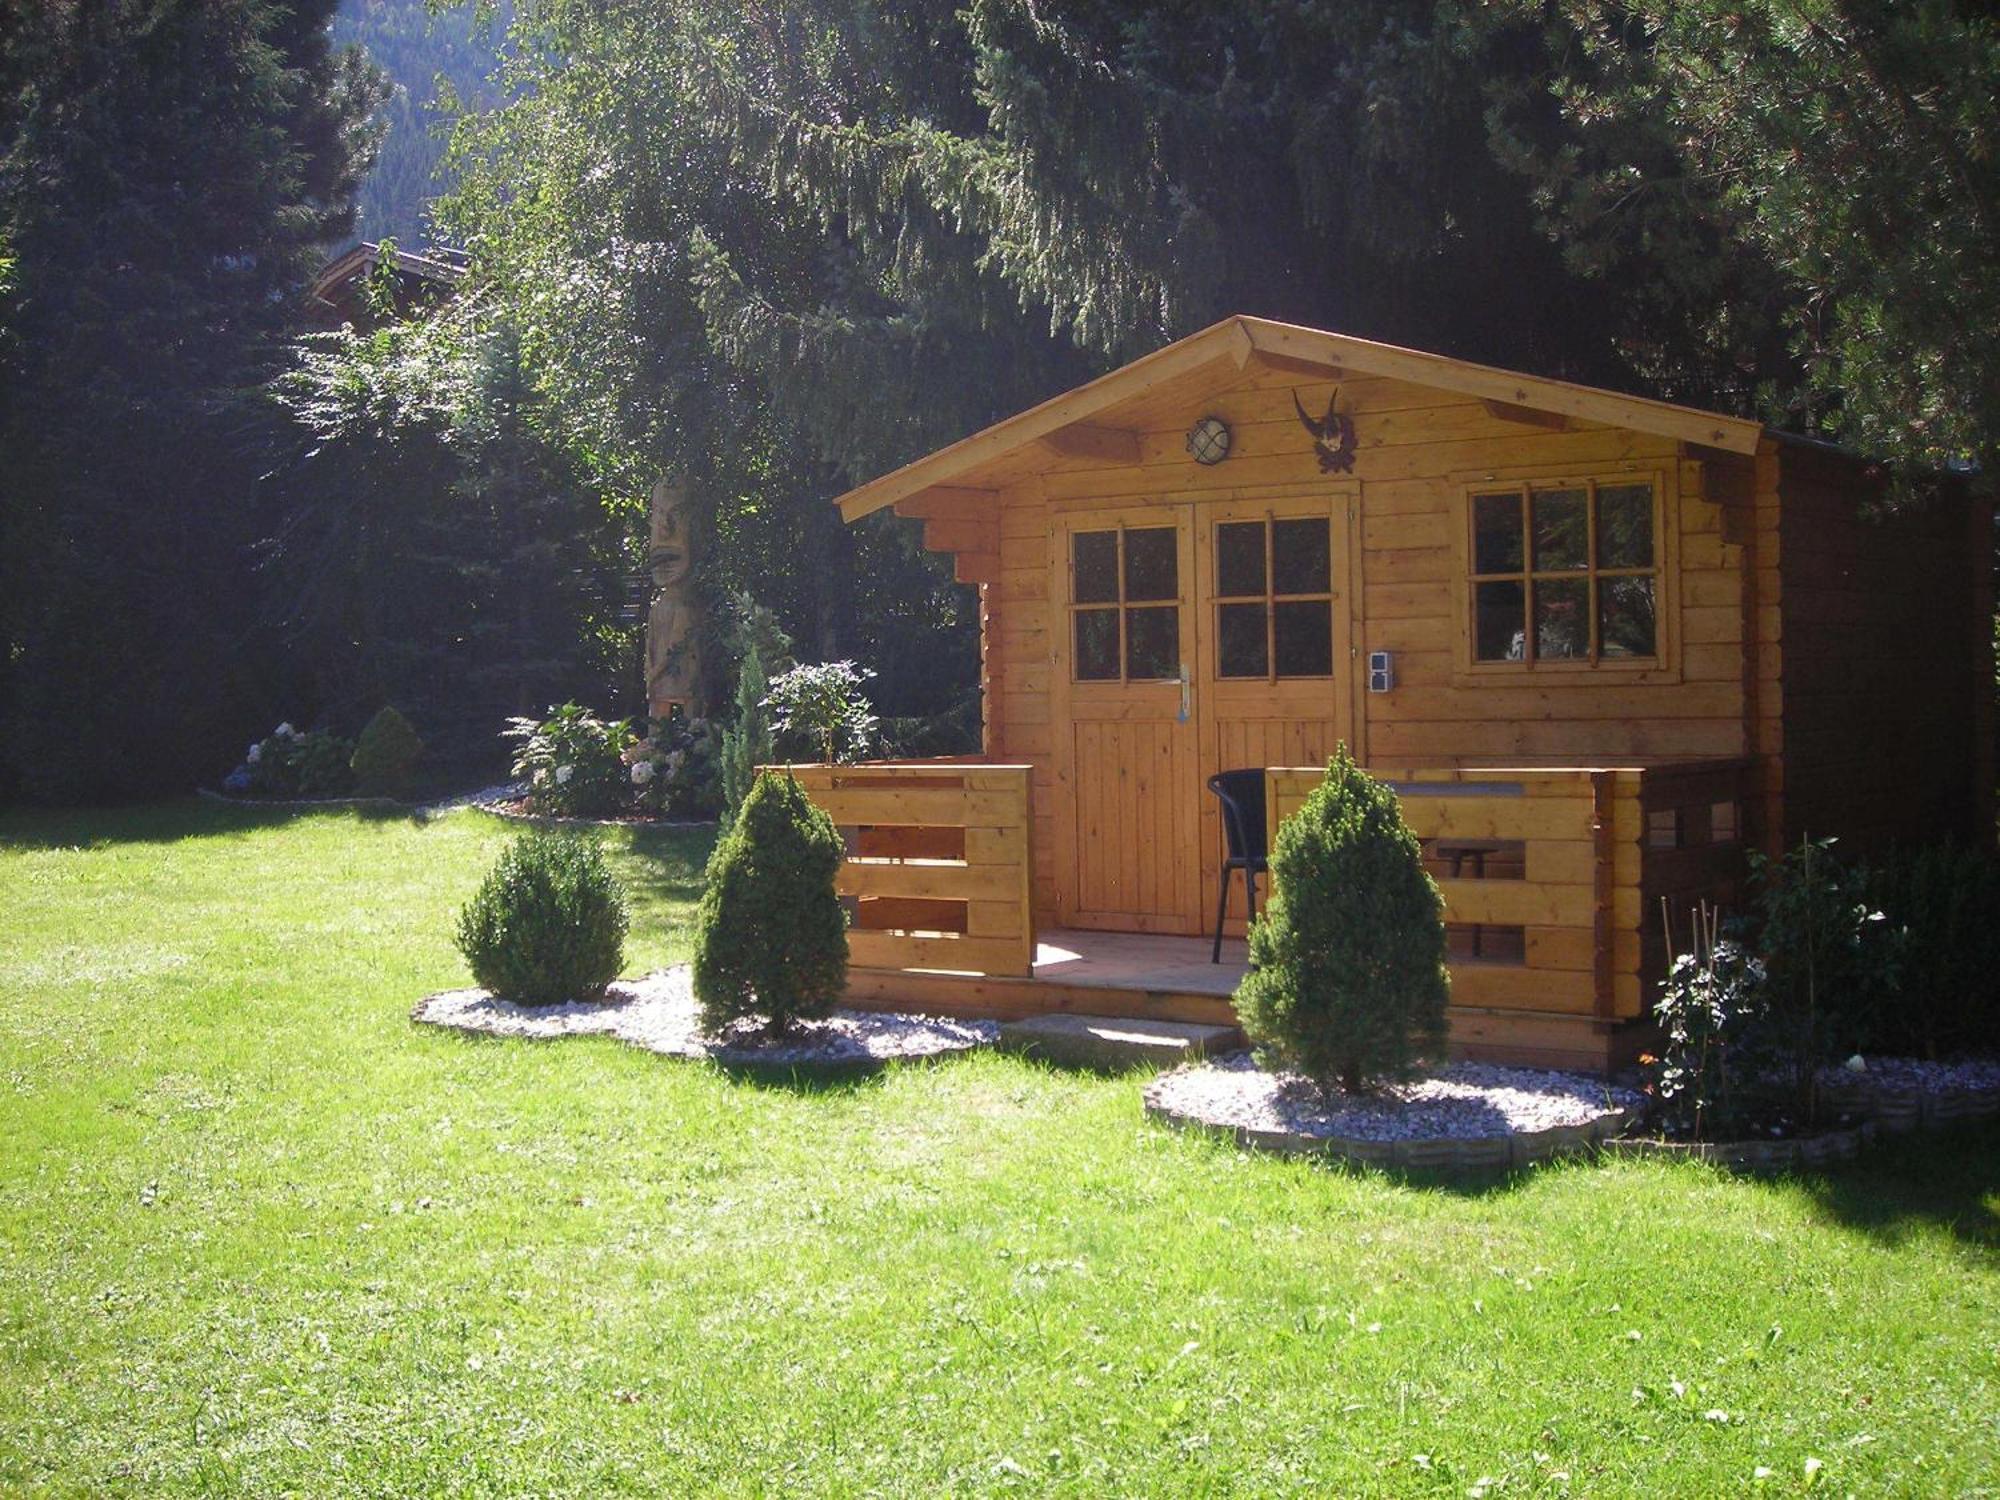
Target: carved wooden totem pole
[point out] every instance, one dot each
(673, 666)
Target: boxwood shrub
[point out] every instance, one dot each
(548, 923)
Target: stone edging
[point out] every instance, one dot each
(547, 820)
(1759, 1157)
(1491, 1153)
(1891, 1111)
(1897, 1110)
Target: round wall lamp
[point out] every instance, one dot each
(1208, 440)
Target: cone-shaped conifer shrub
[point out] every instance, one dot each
(771, 938)
(385, 755)
(1347, 983)
(548, 923)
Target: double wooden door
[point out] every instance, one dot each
(1190, 638)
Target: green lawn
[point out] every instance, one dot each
(260, 1234)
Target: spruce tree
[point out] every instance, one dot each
(771, 935)
(746, 744)
(170, 175)
(1347, 982)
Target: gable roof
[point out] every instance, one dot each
(336, 292)
(1241, 339)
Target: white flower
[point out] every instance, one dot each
(563, 774)
(286, 732)
(256, 754)
(1856, 1064)
(674, 762)
(642, 772)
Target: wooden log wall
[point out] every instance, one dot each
(1417, 450)
(1577, 897)
(940, 869)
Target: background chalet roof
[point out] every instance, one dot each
(1098, 419)
(335, 295)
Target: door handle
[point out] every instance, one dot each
(1187, 693)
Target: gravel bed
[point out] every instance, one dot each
(1969, 1075)
(486, 796)
(658, 1013)
(1461, 1101)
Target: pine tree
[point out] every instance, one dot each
(1812, 191)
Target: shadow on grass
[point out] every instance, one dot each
(183, 820)
(1945, 1180)
(822, 1079)
(663, 865)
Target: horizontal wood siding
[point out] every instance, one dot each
(939, 870)
(1581, 902)
(1886, 641)
(1417, 450)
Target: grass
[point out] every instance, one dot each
(260, 1234)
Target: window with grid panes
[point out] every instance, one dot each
(1125, 618)
(1274, 598)
(1565, 573)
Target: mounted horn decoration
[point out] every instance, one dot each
(1332, 435)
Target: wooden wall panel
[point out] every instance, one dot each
(1416, 449)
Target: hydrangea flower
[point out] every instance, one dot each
(563, 774)
(642, 772)
(285, 731)
(256, 754)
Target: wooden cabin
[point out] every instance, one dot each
(1600, 645)
(339, 293)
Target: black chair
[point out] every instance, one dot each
(1241, 794)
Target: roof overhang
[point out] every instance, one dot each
(1064, 423)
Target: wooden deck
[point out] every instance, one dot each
(1132, 961)
(1554, 880)
(1082, 973)
(1141, 976)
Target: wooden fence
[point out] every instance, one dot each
(1553, 879)
(940, 865)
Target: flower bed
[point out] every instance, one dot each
(575, 765)
(290, 765)
(1461, 1117)
(659, 1014)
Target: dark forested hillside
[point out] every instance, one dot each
(414, 48)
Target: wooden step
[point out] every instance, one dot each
(1115, 1043)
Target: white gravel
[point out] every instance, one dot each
(500, 792)
(658, 1013)
(1461, 1101)
(1974, 1075)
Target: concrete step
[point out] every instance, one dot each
(1115, 1043)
